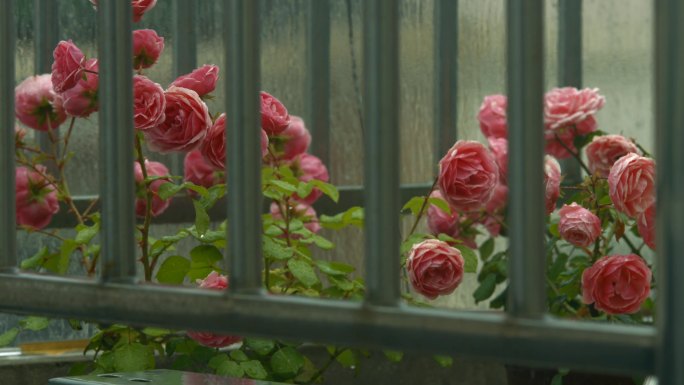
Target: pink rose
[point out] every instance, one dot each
(213, 281)
(36, 103)
(19, 134)
(495, 209)
(605, 150)
(202, 80)
(492, 116)
(139, 7)
(149, 103)
(159, 205)
(552, 179)
(468, 175)
(264, 143)
(578, 225)
(296, 138)
(307, 167)
(147, 47)
(185, 125)
(213, 147)
(81, 100)
(67, 68)
(558, 146)
(303, 212)
(617, 284)
(646, 226)
(274, 116)
(35, 198)
(198, 171)
(440, 222)
(434, 268)
(631, 184)
(499, 148)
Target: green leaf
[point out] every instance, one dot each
(230, 369)
(204, 259)
(68, 247)
(348, 359)
(486, 288)
(410, 241)
(342, 283)
(239, 356)
(156, 332)
(201, 218)
(353, 216)
(36, 260)
(284, 186)
(441, 204)
(287, 362)
(173, 270)
(80, 368)
(133, 357)
(393, 355)
(8, 337)
(254, 369)
(327, 189)
(334, 268)
(86, 233)
(303, 272)
(486, 249)
(34, 323)
(322, 242)
(217, 360)
(260, 346)
(414, 204)
(444, 361)
(558, 266)
(304, 189)
(275, 250)
(469, 258)
(167, 190)
(553, 229)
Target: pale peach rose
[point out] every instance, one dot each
(617, 284)
(605, 150)
(578, 225)
(492, 116)
(631, 184)
(434, 268)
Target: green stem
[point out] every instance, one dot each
(145, 230)
(574, 155)
(422, 208)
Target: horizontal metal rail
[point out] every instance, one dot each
(491, 335)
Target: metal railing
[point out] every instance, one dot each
(524, 335)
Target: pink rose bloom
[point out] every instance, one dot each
(492, 116)
(434, 268)
(495, 209)
(185, 125)
(440, 222)
(556, 147)
(631, 184)
(202, 80)
(552, 179)
(468, 175)
(274, 116)
(139, 7)
(147, 47)
(19, 134)
(617, 284)
(264, 143)
(159, 205)
(198, 171)
(149, 103)
(499, 148)
(605, 150)
(213, 147)
(301, 211)
(81, 100)
(67, 68)
(307, 167)
(578, 225)
(213, 281)
(646, 226)
(35, 198)
(36, 104)
(296, 138)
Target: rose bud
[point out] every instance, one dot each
(552, 179)
(307, 167)
(153, 169)
(646, 226)
(149, 103)
(468, 175)
(198, 171)
(434, 268)
(296, 138)
(617, 284)
(67, 68)
(301, 211)
(139, 7)
(186, 122)
(578, 225)
(213, 281)
(631, 184)
(202, 80)
(35, 198)
(492, 116)
(274, 116)
(36, 104)
(605, 150)
(147, 47)
(81, 100)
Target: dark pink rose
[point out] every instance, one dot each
(213, 281)
(202, 80)
(35, 198)
(552, 179)
(81, 100)
(605, 150)
(147, 47)
(617, 284)
(67, 68)
(296, 138)
(441, 222)
(646, 226)
(36, 104)
(495, 210)
(578, 225)
(303, 212)
(468, 175)
(149, 103)
(153, 169)
(558, 146)
(274, 116)
(213, 147)
(631, 183)
(198, 171)
(499, 148)
(185, 124)
(492, 116)
(307, 167)
(434, 268)
(139, 7)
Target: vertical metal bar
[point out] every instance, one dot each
(8, 234)
(381, 98)
(570, 65)
(116, 141)
(318, 78)
(446, 76)
(525, 76)
(669, 98)
(243, 150)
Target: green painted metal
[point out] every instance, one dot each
(155, 377)
(446, 76)
(318, 78)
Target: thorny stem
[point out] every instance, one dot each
(422, 208)
(145, 229)
(574, 154)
